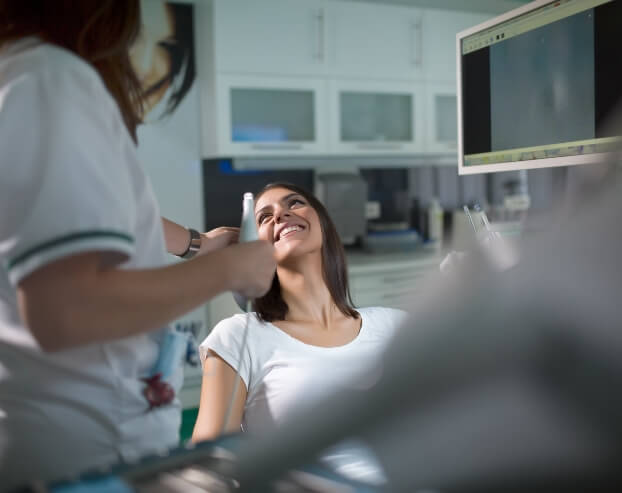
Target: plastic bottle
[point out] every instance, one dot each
(435, 223)
(248, 232)
(248, 226)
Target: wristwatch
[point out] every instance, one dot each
(194, 246)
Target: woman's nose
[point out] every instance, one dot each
(280, 214)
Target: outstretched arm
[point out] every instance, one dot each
(79, 299)
(177, 238)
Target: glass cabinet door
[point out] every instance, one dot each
(272, 116)
(375, 118)
(368, 116)
(443, 118)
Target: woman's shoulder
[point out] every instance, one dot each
(52, 68)
(227, 336)
(383, 318)
(232, 328)
(238, 320)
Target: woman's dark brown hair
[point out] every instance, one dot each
(99, 31)
(271, 306)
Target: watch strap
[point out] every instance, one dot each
(194, 246)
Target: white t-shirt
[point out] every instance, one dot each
(276, 366)
(71, 182)
(282, 373)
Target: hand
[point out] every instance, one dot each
(218, 238)
(252, 266)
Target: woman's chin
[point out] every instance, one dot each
(295, 252)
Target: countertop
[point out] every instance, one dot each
(360, 262)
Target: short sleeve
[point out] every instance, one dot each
(65, 185)
(226, 340)
(385, 322)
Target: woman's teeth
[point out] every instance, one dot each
(289, 229)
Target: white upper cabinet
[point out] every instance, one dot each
(374, 41)
(439, 40)
(376, 117)
(442, 119)
(269, 116)
(321, 77)
(270, 36)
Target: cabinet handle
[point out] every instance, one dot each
(417, 43)
(319, 20)
(279, 147)
(379, 145)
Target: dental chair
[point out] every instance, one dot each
(501, 381)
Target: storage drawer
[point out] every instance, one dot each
(393, 287)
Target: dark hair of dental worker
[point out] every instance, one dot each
(100, 36)
(163, 55)
(272, 307)
(181, 49)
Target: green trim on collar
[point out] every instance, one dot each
(83, 235)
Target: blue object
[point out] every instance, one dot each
(192, 352)
(225, 166)
(173, 349)
(258, 133)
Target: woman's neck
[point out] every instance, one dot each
(304, 290)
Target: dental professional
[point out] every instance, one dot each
(304, 338)
(86, 292)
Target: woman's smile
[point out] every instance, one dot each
(287, 231)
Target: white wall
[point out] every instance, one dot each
(170, 152)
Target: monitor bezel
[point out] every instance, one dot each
(509, 165)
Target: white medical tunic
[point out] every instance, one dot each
(71, 183)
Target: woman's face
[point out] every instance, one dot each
(149, 58)
(285, 219)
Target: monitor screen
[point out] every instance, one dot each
(535, 86)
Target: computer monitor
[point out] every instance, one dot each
(536, 85)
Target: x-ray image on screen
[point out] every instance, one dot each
(542, 85)
(537, 87)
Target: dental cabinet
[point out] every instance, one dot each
(376, 117)
(390, 280)
(269, 115)
(361, 78)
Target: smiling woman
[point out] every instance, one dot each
(304, 339)
(315, 244)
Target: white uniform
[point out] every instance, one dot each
(70, 183)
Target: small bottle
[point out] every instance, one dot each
(248, 226)
(248, 232)
(435, 223)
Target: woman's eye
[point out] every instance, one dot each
(294, 202)
(262, 218)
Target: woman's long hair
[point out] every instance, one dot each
(99, 31)
(272, 306)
